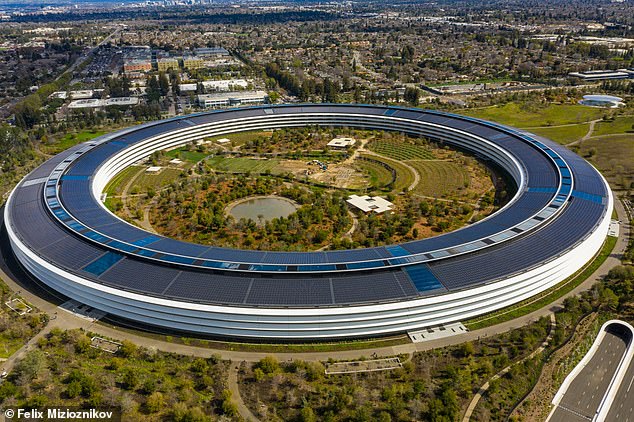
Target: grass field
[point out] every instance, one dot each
(183, 154)
(72, 139)
(243, 165)
(621, 124)
(404, 177)
(400, 150)
(380, 177)
(163, 178)
(614, 156)
(564, 134)
(116, 184)
(514, 114)
(239, 138)
(439, 178)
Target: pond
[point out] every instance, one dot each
(264, 208)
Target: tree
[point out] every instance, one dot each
(31, 366)
(412, 95)
(466, 349)
(153, 90)
(127, 349)
(307, 414)
(27, 112)
(155, 402)
(229, 408)
(268, 365)
(130, 379)
(164, 84)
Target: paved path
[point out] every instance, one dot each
(403, 163)
(232, 382)
(485, 386)
(587, 135)
(68, 321)
(9, 364)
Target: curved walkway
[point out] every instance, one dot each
(485, 386)
(232, 383)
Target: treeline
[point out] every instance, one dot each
(196, 209)
(387, 228)
(328, 90)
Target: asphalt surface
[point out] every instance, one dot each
(585, 393)
(622, 409)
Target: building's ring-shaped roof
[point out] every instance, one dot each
(56, 209)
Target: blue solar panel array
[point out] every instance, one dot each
(75, 186)
(213, 284)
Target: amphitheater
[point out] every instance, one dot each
(61, 233)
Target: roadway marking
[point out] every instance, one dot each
(630, 386)
(574, 413)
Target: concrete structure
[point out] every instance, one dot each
(597, 389)
(235, 98)
(187, 87)
(62, 95)
(341, 143)
(137, 65)
(97, 103)
(553, 225)
(166, 63)
(81, 95)
(211, 52)
(193, 62)
(137, 59)
(602, 75)
(369, 204)
(90, 103)
(608, 101)
(225, 85)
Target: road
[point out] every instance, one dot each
(622, 409)
(584, 395)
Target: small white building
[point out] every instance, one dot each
(223, 140)
(370, 204)
(341, 143)
(153, 169)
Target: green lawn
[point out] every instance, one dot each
(116, 184)
(439, 178)
(72, 139)
(613, 155)
(404, 177)
(400, 150)
(240, 138)
(243, 165)
(564, 134)
(183, 154)
(621, 124)
(519, 115)
(163, 178)
(379, 176)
